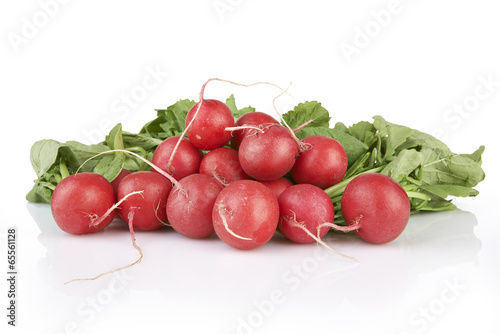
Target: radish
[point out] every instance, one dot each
(323, 164)
(278, 186)
(150, 207)
(253, 119)
(189, 210)
(223, 163)
(117, 180)
(142, 202)
(80, 203)
(207, 130)
(184, 161)
(245, 214)
(376, 207)
(268, 153)
(304, 210)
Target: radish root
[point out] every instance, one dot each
(156, 168)
(303, 125)
(302, 146)
(223, 210)
(353, 227)
(95, 221)
(340, 228)
(219, 178)
(294, 223)
(132, 234)
(156, 214)
(245, 127)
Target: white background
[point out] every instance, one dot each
(67, 68)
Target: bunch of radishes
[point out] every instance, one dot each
(243, 179)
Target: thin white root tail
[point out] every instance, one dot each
(219, 178)
(245, 127)
(156, 168)
(246, 85)
(132, 234)
(293, 223)
(292, 132)
(224, 222)
(155, 209)
(303, 125)
(96, 222)
(340, 228)
(169, 164)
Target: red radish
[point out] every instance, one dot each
(150, 207)
(278, 186)
(116, 181)
(268, 153)
(303, 209)
(80, 203)
(207, 131)
(252, 118)
(189, 210)
(132, 235)
(150, 196)
(223, 163)
(376, 207)
(186, 160)
(245, 214)
(323, 164)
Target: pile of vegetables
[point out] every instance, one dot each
(207, 166)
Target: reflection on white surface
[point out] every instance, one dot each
(208, 286)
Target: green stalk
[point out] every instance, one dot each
(416, 194)
(63, 168)
(58, 177)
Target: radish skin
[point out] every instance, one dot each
(245, 214)
(251, 119)
(184, 162)
(151, 206)
(278, 186)
(308, 206)
(81, 200)
(376, 206)
(269, 155)
(189, 211)
(323, 164)
(224, 164)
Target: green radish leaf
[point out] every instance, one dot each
(230, 102)
(445, 190)
(403, 165)
(44, 154)
(140, 140)
(110, 165)
(393, 136)
(303, 112)
(362, 130)
(40, 193)
(169, 122)
(438, 205)
(419, 140)
(455, 169)
(114, 139)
